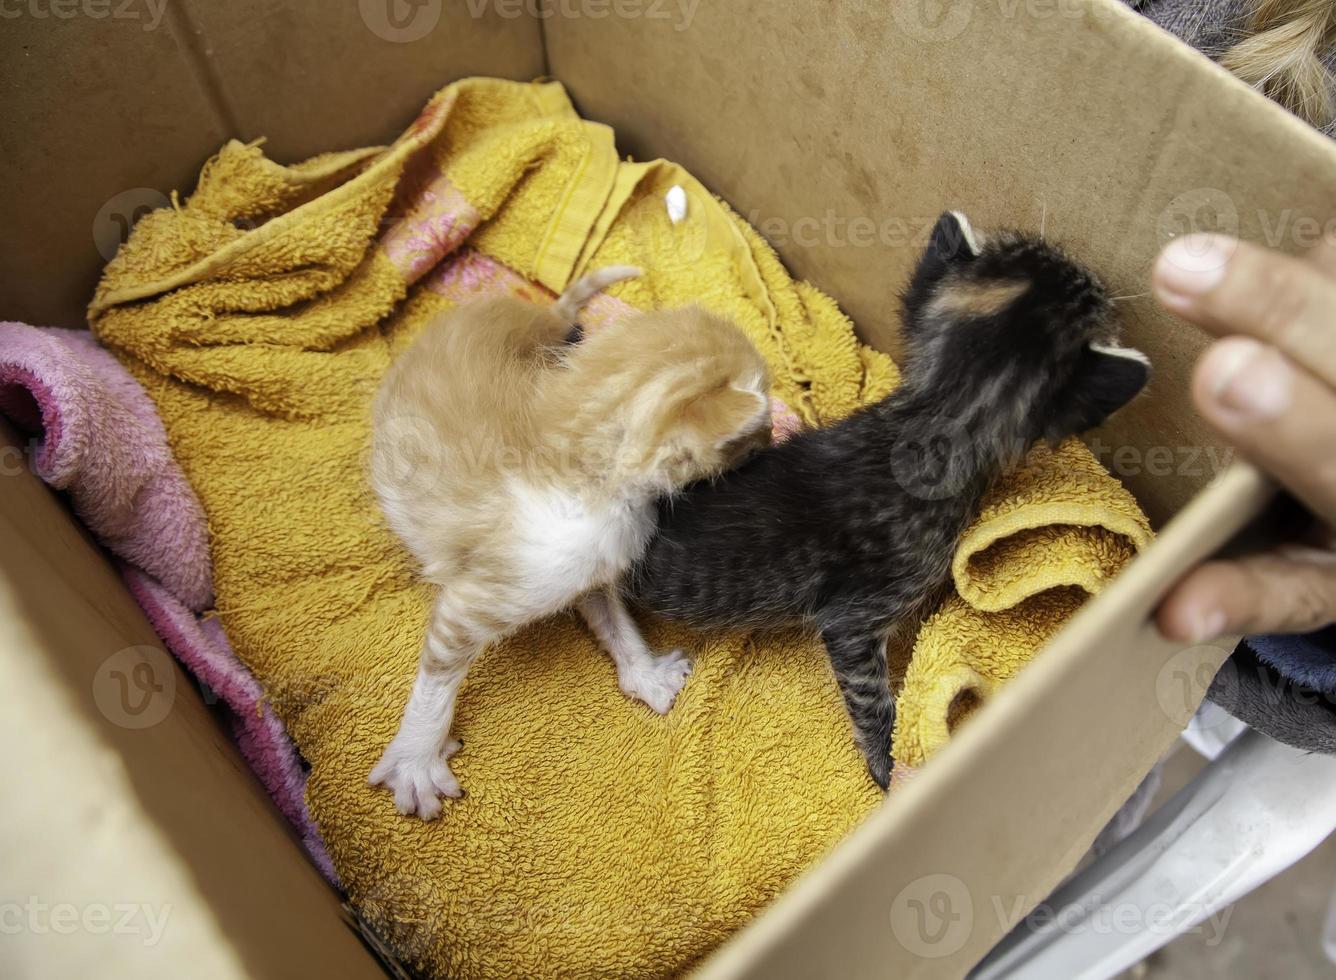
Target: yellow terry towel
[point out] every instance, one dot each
(596, 837)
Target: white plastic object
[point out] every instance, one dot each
(1250, 814)
(676, 201)
(1212, 729)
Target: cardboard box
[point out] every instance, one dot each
(841, 131)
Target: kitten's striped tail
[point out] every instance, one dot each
(580, 292)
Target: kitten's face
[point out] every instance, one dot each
(691, 390)
(1017, 323)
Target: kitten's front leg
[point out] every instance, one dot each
(413, 766)
(858, 653)
(640, 674)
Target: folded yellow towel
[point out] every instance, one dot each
(597, 838)
(1053, 532)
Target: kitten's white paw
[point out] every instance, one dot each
(417, 782)
(658, 681)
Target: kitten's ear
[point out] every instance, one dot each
(951, 243)
(719, 418)
(952, 239)
(1106, 379)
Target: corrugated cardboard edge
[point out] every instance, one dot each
(852, 908)
(152, 805)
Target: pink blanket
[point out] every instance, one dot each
(96, 436)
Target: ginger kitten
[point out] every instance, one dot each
(852, 528)
(522, 472)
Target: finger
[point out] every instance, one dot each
(1233, 287)
(1276, 413)
(1291, 590)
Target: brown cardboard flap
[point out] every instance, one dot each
(842, 131)
(104, 116)
(313, 76)
(930, 882)
(88, 142)
(125, 791)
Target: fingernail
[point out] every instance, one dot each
(1194, 264)
(1249, 379)
(1207, 624)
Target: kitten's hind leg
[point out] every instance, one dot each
(858, 654)
(413, 766)
(640, 674)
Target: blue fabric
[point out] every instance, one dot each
(1265, 692)
(1308, 660)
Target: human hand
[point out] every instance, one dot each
(1269, 388)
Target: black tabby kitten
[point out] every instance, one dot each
(853, 527)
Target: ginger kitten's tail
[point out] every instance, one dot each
(580, 292)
